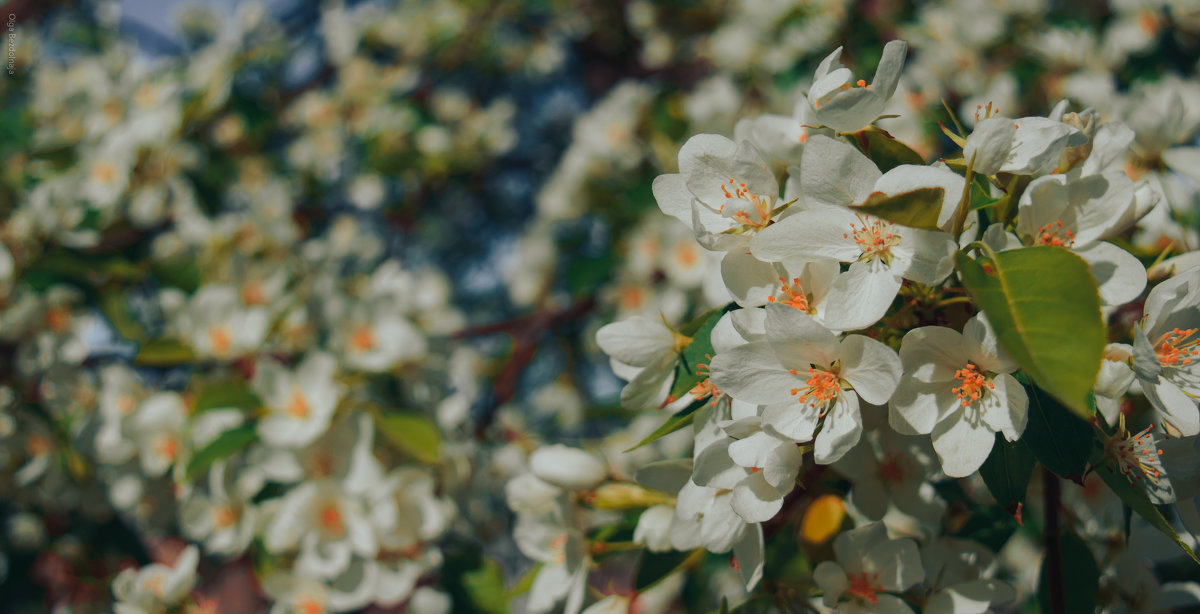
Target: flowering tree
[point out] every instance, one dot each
(358, 309)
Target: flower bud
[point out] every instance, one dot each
(567, 467)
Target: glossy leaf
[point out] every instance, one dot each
(680, 419)
(1007, 471)
(414, 434)
(916, 209)
(688, 371)
(1060, 440)
(1043, 303)
(884, 150)
(222, 394)
(485, 587)
(225, 445)
(655, 566)
(163, 353)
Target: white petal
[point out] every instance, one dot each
(861, 295)
(755, 500)
(988, 145)
(751, 373)
(821, 232)
(871, 367)
(636, 341)
(750, 280)
(842, 429)
(898, 563)
(835, 173)
(749, 552)
(962, 444)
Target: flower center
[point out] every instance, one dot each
(363, 339)
(297, 406)
(223, 517)
(331, 519)
(875, 238)
(168, 447)
(1136, 455)
(763, 207)
(972, 384)
(865, 588)
(845, 87)
(221, 340)
(308, 605)
(1055, 234)
(705, 387)
(1176, 348)
(891, 470)
(820, 385)
(793, 295)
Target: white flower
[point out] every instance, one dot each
(846, 105)
(654, 528)
(375, 337)
(221, 518)
(567, 467)
(219, 326)
(295, 594)
(869, 567)
(644, 352)
(957, 387)
(889, 468)
(958, 566)
(1164, 351)
(158, 428)
(1026, 146)
(882, 254)
(1114, 379)
(299, 405)
(156, 587)
(806, 377)
(759, 467)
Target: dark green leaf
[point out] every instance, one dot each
(1060, 440)
(230, 393)
(225, 445)
(655, 566)
(680, 419)
(116, 309)
(886, 152)
(1045, 308)
(525, 583)
(688, 373)
(415, 435)
(1081, 577)
(485, 587)
(1006, 472)
(916, 209)
(163, 353)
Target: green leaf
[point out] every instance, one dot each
(415, 435)
(680, 419)
(1081, 577)
(1135, 498)
(1007, 471)
(1043, 303)
(230, 393)
(225, 445)
(886, 152)
(485, 587)
(916, 209)
(525, 583)
(1060, 440)
(655, 566)
(116, 309)
(698, 352)
(163, 353)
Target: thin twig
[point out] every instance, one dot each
(1053, 537)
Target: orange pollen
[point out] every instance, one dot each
(1176, 348)
(104, 172)
(221, 340)
(793, 295)
(1055, 234)
(224, 517)
(37, 445)
(252, 294)
(820, 385)
(297, 406)
(865, 588)
(973, 384)
(875, 238)
(861, 83)
(363, 339)
(764, 206)
(308, 605)
(155, 584)
(686, 253)
(1136, 455)
(58, 319)
(168, 447)
(126, 404)
(331, 519)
